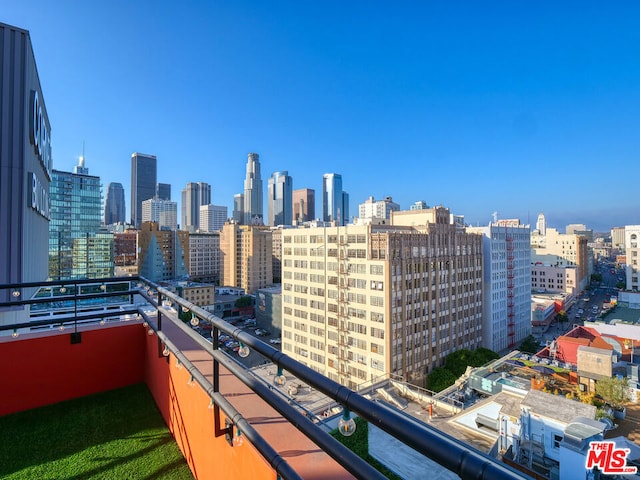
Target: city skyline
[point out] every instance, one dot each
(477, 110)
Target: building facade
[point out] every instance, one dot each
(279, 195)
(631, 241)
(335, 202)
(246, 252)
(617, 239)
(163, 212)
(200, 294)
(25, 170)
(253, 211)
(125, 248)
(193, 197)
(76, 250)
(562, 250)
(541, 225)
(144, 172)
(238, 208)
(304, 205)
(545, 278)
(163, 255)
(163, 191)
(114, 207)
(276, 253)
(204, 257)
(507, 284)
(363, 301)
(212, 218)
(377, 209)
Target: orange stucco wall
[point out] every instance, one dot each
(186, 411)
(42, 369)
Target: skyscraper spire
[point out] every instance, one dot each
(253, 213)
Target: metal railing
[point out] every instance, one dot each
(449, 452)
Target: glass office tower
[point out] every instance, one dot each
(77, 247)
(144, 172)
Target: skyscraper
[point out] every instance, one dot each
(280, 191)
(163, 191)
(253, 191)
(238, 208)
(114, 208)
(143, 183)
(193, 197)
(77, 248)
(304, 205)
(541, 225)
(335, 202)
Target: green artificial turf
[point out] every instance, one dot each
(118, 434)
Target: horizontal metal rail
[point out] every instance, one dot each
(66, 283)
(279, 464)
(345, 457)
(449, 452)
(454, 455)
(69, 298)
(71, 318)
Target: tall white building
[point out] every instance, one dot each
(253, 212)
(541, 225)
(164, 212)
(377, 209)
(507, 284)
(194, 196)
(631, 241)
(361, 301)
(212, 218)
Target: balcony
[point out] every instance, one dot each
(227, 421)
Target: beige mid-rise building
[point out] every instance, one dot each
(363, 301)
(563, 250)
(246, 256)
(204, 257)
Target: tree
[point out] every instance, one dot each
(482, 355)
(244, 301)
(614, 391)
(529, 345)
(596, 277)
(440, 378)
(562, 317)
(621, 285)
(458, 361)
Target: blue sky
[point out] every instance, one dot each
(479, 106)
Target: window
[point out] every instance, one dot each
(556, 440)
